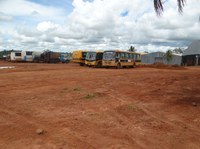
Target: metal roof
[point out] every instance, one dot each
(194, 48)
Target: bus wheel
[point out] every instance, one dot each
(119, 66)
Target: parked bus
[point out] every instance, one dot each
(27, 56)
(79, 57)
(119, 59)
(94, 59)
(137, 58)
(16, 56)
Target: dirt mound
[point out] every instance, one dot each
(162, 66)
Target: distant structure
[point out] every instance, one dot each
(159, 57)
(16, 56)
(191, 56)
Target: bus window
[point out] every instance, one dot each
(28, 53)
(99, 56)
(118, 55)
(17, 54)
(109, 55)
(126, 55)
(132, 56)
(122, 55)
(138, 56)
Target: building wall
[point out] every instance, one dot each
(191, 60)
(191, 56)
(155, 57)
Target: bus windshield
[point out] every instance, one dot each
(109, 56)
(91, 56)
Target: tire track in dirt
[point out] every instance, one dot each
(128, 100)
(167, 121)
(37, 123)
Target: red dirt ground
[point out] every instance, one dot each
(80, 107)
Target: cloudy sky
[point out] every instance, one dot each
(66, 25)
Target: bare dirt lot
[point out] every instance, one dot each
(80, 107)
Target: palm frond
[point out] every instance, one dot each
(181, 4)
(158, 6)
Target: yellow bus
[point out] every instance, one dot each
(79, 57)
(119, 59)
(137, 58)
(94, 59)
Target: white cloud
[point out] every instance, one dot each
(46, 25)
(4, 17)
(26, 8)
(99, 24)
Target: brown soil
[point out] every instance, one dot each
(80, 107)
(162, 66)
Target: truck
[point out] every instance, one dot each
(79, 56)
(65, 57)
(50, 57)
(46, 57)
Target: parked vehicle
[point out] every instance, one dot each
(119, 59)
(16, 56)
(27, 56)
(65, 57)
(50, 57)
(37, 56)
(79, 57)
(46, 57)
(137, 58)
(94, 59)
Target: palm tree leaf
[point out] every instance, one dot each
(181, 4)
(158, 5)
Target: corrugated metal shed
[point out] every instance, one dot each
(193, 49)
(191, 56)
(159, 57)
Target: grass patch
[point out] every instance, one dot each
(93, 114)
(64, 90)
(89, 96)
(132, 107)
(77, 89)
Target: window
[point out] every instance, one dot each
(122, 55)
(17, 54)
(99, 56)
(28, 53)
(126, 55)
(84, 54)
(118, 55)
(109, 55)
(129, 55)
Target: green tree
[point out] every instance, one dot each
(168, 56)
(158, 5)
(178, 51)
(132, 49)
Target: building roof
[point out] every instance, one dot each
(194, 48)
